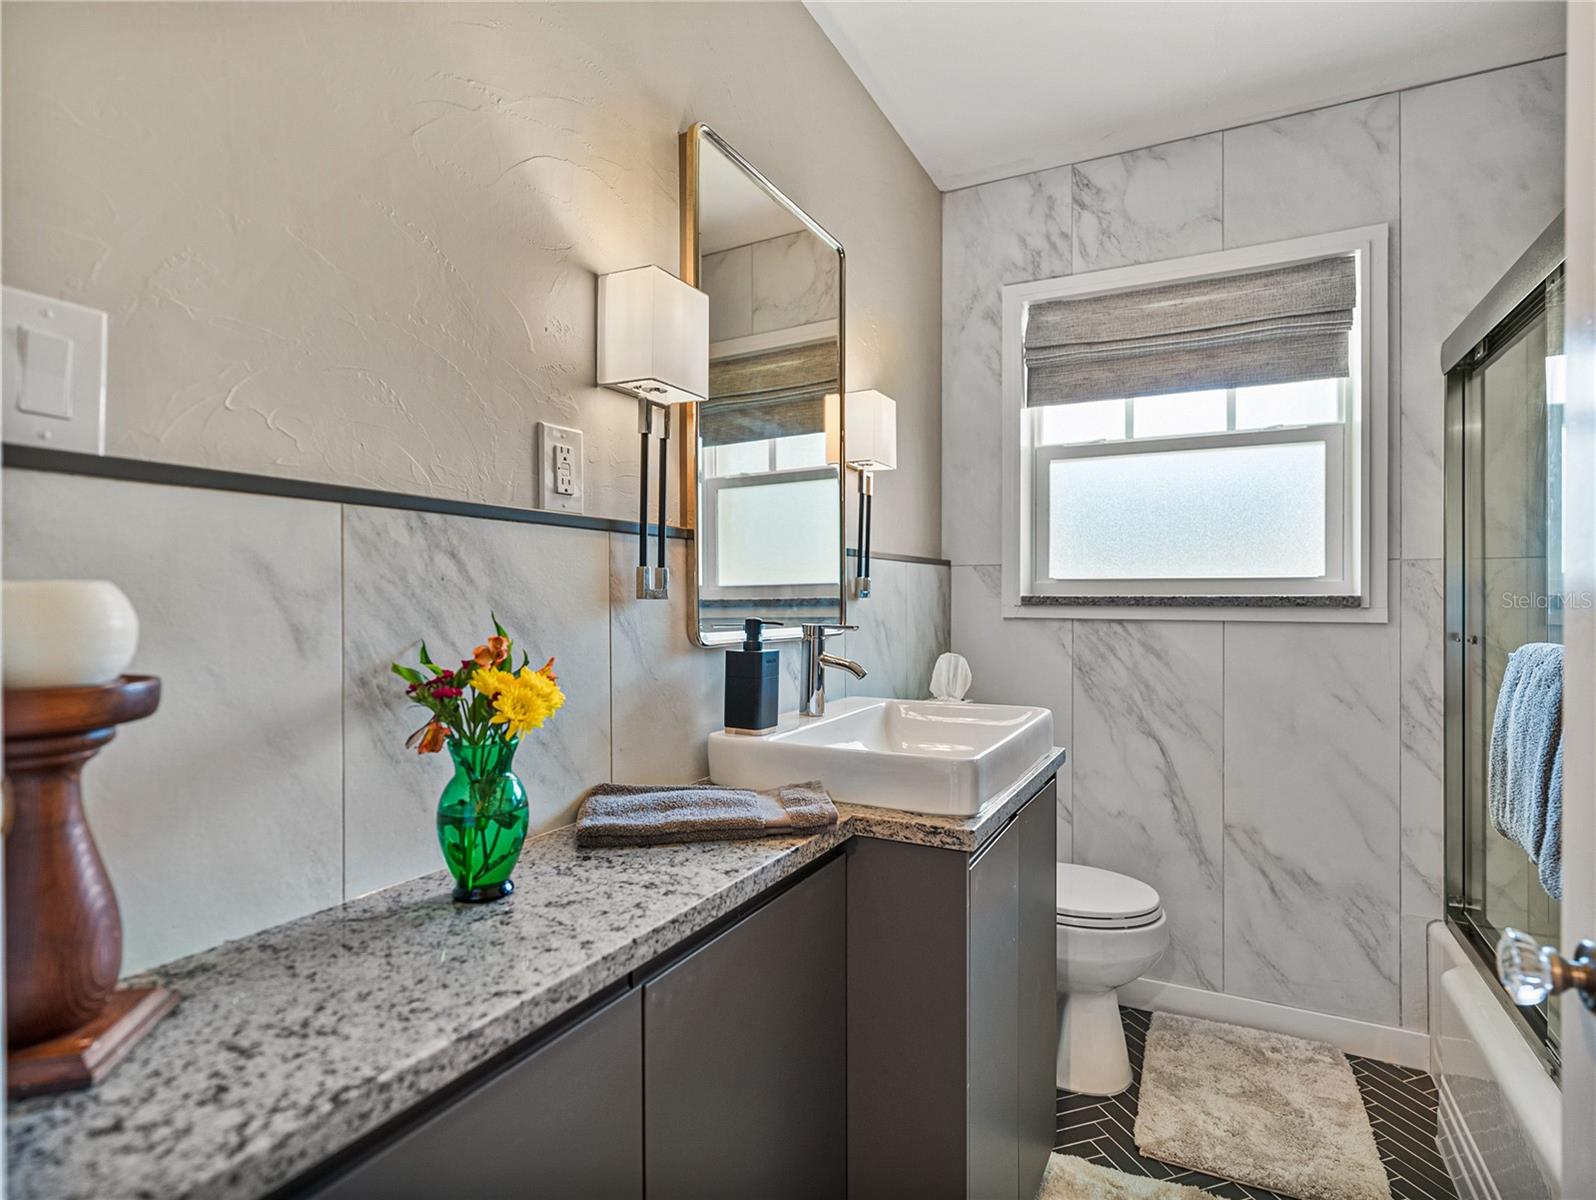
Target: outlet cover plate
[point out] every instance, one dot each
(560, 489)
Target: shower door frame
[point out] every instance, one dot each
(1494, 326)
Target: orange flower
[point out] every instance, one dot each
(493, 653)
(547, 670)
(432, 738)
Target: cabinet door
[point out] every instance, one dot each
(994, 988)
(1037, 1026)
(564, 1123)
(744, 1079)
(908, 983)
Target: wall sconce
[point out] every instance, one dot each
(871, 420)
(653, 343)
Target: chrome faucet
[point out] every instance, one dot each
(812, 683)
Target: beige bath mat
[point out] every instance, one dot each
(1263, 1109)
(1069, 1178)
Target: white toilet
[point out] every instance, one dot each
(1111, 930)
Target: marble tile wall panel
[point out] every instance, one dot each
(1148, 782)
(1333, 168)
(221, 813)
(667, 695)
(927, 618)
(1506, 490)
(1312, 826)
(728, 279)
(411, 575)
(273, 780)
(1162, 202)
(1018, 662)
(1536, 432)
(1004, 232)
(879, 645)
(1482, 176)
(903, 628)
(1422, 632)
(1423, 731)
(794, 282)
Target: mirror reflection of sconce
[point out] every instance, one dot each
(871, 420)
(653, 343)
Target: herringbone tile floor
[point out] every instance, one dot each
(1401, 1104)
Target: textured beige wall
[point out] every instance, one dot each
(357, 243)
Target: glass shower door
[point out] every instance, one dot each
(1511, 585)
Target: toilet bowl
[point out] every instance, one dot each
(1111, 930)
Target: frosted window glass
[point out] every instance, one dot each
(801, 450)
(1315, 402)
(1093, 421)
(1240, 512)
(775, 534)
(743, 458)
(1180, 412)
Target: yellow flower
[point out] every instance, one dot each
(521, 702)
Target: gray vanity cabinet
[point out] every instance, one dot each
(993, 999)
(951, 1014)
(563, 1123)
(1037, 1024)
(744, 1077)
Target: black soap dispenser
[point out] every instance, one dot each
(753, 682)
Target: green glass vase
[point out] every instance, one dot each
(482, 818)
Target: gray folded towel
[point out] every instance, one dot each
(619, 814)
(1525, 780)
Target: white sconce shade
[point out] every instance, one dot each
(653, 336)
(872, 425)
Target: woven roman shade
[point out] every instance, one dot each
(1282, 325)
(773, 394)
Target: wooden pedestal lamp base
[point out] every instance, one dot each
(66, 1022)
(82, 1057)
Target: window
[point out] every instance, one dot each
(1238, 467)
(761, 533)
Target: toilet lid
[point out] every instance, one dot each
(1090, 894)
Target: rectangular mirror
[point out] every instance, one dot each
(762, 481)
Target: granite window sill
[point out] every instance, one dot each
(1247, 601)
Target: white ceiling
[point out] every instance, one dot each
(981, 91)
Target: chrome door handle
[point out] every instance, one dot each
(1531, 972)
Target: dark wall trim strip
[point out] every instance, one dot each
(905, 558)
(136, 470)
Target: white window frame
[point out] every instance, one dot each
(1361, 580)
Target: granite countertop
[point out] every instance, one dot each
(291, 1043)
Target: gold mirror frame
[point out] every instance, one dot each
(687, 433)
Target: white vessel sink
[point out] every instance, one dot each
(918, 755)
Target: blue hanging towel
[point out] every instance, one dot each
(1525, 782)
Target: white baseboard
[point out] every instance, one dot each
(1405, 1047)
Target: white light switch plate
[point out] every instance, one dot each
(54, 373)
(560, 465)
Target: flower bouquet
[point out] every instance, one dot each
(481, 710)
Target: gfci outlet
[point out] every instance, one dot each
(559, 468)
